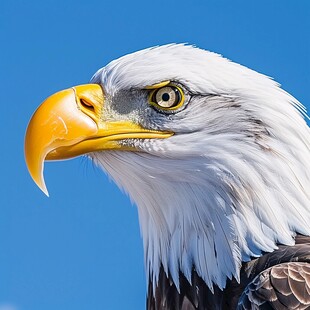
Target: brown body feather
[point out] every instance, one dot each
(277, 280)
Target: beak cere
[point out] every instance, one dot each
(69, 124)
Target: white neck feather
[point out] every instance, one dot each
(213, 211)
(232, 182)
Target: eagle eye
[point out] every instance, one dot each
(169, 97)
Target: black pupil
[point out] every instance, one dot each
(165, 97)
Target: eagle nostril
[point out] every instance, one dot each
(87, 104)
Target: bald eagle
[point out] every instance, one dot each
(217, 159)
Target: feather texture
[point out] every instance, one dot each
(278, 280)
(286, 286)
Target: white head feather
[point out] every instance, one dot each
(234, 180)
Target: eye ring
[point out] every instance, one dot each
(169, 97)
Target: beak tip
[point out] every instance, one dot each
(41, 184)
(43, 187)
(45, 191)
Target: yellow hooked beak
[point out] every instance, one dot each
(70, 123)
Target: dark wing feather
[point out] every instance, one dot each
(190, 296)
(284, 286)
(277, 280)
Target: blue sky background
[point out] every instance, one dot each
(81, 248)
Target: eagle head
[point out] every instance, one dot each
(215, 155)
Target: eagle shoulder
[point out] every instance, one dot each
(276, 280)
(284, 286)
